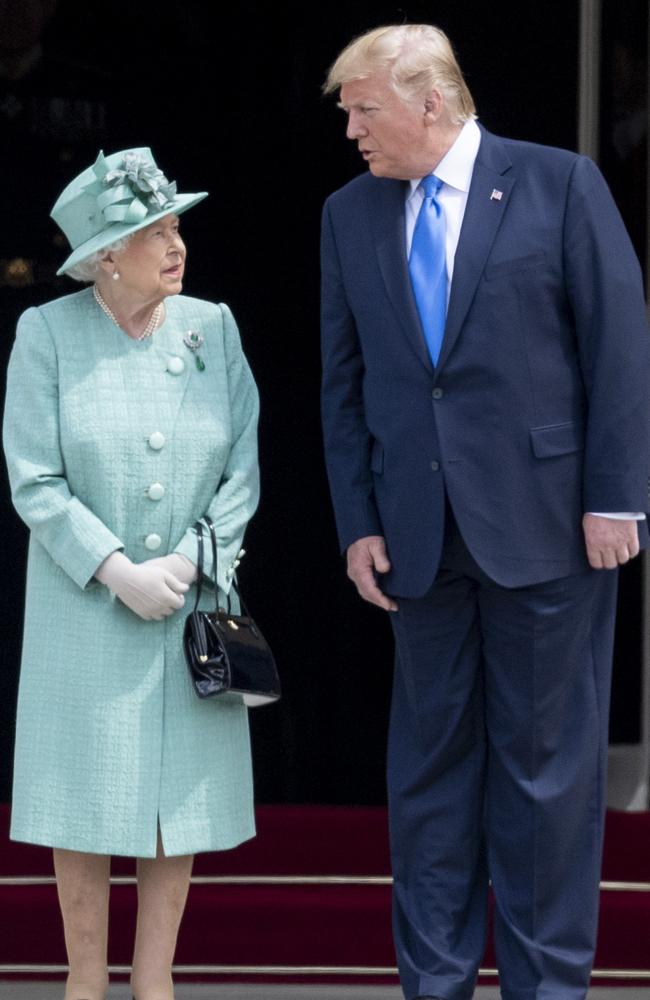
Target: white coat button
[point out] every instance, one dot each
(175, 366)
(156, 491)
(152, 542)
(156, 440)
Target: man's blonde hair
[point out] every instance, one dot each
(418, 58)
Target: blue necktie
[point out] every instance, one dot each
(428, 266)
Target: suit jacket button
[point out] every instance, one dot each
(437, 393)
(152, 542)
(175, 366)
(435, 466)
(156, 440)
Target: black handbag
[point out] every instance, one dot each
(225, 652)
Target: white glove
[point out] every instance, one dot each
(179, 565)
(152, 592)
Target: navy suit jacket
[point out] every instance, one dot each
(539, 407)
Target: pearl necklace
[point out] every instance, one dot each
(154, 319)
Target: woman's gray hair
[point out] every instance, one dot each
(418, 59)
(88, 269)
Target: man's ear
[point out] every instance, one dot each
(433, 106)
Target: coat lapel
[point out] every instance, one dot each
(483, 216)
(389, 229)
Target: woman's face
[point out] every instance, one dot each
(152, 264)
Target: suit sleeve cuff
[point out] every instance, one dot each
(624, 516)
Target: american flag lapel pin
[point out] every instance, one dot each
(496, 195)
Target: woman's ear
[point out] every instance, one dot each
(108, 265)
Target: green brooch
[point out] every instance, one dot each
(194, 340)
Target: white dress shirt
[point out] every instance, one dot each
(455, 171)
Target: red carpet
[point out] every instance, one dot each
(296, 924)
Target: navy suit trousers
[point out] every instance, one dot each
(496, 771)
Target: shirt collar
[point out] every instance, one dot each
(457, 165)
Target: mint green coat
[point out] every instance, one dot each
(111, 739)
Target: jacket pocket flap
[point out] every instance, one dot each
(557, 439)
(514, 264)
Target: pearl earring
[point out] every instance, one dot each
(116, 276)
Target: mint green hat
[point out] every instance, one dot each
(118, 195)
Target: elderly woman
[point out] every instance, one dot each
(130, 413)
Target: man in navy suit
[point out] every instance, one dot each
(486, 486)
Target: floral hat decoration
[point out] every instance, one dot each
(119, 194)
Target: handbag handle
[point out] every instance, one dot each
(199, 568)
(198, 527)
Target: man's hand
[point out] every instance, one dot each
(366, 557)
(610, 542)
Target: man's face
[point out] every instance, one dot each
(393, 136)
